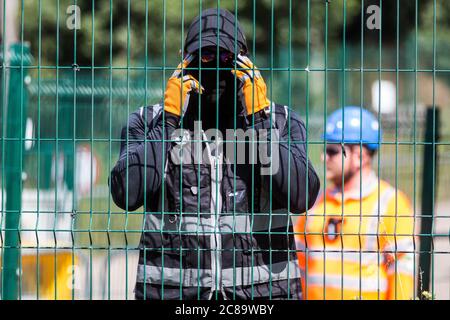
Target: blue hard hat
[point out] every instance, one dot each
(358, 126)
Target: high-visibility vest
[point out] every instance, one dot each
(358, 246)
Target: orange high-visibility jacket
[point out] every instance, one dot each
(359, 245)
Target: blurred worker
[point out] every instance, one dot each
(213, 229)
(357, 241)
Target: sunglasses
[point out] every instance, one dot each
(209, 55)
(333, 150)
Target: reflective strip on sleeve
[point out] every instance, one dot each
(174, 276)
(404, 246)
(188, 225)
(364, 258)
(377, 213)
(299, 245)
(405, 264)
(202, 277)
(348, 283)
(261, 274)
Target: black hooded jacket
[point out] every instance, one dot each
(216, 225)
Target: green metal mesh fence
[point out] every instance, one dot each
(73, 71)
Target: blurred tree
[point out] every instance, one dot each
(439, 45)
(113, 32)
(116, 28)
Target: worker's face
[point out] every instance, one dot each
(342, 162)
(214, 80)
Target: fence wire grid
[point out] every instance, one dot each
(72, 73)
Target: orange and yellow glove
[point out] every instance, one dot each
(253, 86)
(179, 87)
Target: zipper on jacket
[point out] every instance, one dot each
(217, 234)
(216, 208)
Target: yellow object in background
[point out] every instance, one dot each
(48, 275)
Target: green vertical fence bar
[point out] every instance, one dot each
(429, 183)
(14, 145)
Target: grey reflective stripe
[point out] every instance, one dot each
(278, 124)
(261, 274)
(228, 223)
(189, 225)
(245, 77)
(150, 220)
(274, 115)
(377, 214)
(405, 264)
(299, 244)
(186, 103)
(372, 284)
(172, 276)
(156, 110)
(405, 245)
(239, 276)
(242, 223)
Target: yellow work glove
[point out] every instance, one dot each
(253, 87)
(179, 87)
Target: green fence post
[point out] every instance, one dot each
(429, 192)
(14, 147)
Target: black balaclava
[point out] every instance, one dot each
(218, 98)
(218, 29)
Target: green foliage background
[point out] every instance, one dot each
(117, 27)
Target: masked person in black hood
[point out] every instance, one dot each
(214, 229)
(217, 97)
